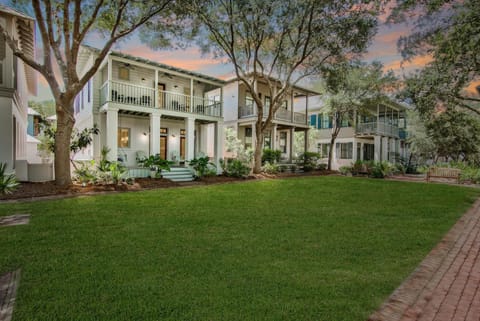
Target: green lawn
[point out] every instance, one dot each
(325, 248)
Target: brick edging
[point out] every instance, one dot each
(415, 292)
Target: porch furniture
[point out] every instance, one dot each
(444, 172)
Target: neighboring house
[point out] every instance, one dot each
(377, 135)
(145, 108)
(17, 81)
(241, 115)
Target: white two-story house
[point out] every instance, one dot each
(145, 108)
(241, 114)
(17, 82)
(376, 134)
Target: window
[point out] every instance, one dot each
(123, 73)
(344, 150)
(123, 138)
(182, 132)
(248, 102)
(267, 141)
(268, 102)
(248, 137)
(323, 150)
(163, 131)
(285, 104)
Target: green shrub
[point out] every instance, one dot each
(8, 182)
(203, 166)
(270, 168)
(85, 174)
(309, 160)
(345, 170)
(271, 156)
(235, 168)
(156, 163)
(322, 166)
(381, 169)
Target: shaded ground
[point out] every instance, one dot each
(27, 190)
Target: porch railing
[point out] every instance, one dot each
(377, 128)
(118, 92)
(281, 114)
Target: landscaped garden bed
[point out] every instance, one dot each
(310, 248)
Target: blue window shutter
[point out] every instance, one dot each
(313, 120)
(330, 121)
(320, 121)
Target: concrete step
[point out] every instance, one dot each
(178, 174)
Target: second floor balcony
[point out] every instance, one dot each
(281, 115)
(377, 128)
(141, 96)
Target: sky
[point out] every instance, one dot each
(383, 48)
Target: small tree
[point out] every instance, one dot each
(280, 42)
(352, 87)
(64, 27)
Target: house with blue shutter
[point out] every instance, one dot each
(376, 134)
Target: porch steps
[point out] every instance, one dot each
(178, 174)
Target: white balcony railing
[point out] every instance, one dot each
(134, 95)
(377, 128)
(281, 114)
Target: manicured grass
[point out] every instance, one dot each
(326, 248)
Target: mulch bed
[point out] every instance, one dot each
(28, 190)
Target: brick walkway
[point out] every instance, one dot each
(446, 285)
(8, 292)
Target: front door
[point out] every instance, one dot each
(163, 147)
(161, 95)
(182, 148)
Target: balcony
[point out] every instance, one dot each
(133, 95)
(281, 114)
(377, 128)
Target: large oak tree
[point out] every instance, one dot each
(64, 27)
(281, 42)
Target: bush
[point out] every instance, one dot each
(85, 174)
(345, 170)
(271, 156)
(156, 163)
(270, 168)
(235, 168)
(309, 160)
(322, 167)
(8, 182)
(203, 166)
(381, 169)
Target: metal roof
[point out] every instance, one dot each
(14, 12)
(160, 65)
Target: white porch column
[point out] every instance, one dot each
(155, 86)
(154, 134)
(109, 77)
(112, 133)
(274, 137)
(377, 148)
(385, 148)
(292, 135)
(190, 135)
(354, 151)
(219, 139)
(191, 94)
(306, 141)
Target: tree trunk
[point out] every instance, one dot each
(330, 152)
(257, 155)
(62, 147)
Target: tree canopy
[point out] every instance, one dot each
(64, 26)
(448, 32)
(281, 42)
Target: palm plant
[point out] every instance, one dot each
(8, 182)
